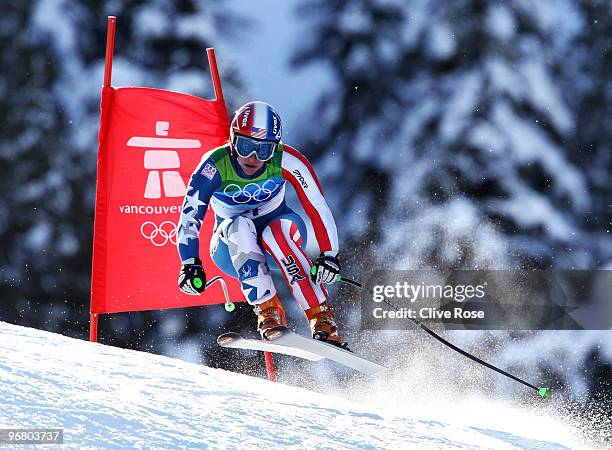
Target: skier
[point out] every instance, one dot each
(244, 183)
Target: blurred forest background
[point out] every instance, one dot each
(454, 134)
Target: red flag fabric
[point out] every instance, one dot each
(150, 142)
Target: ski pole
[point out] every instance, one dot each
(229, 305)
(349, 281)
(313, 271)
(542, 391)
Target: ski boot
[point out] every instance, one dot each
(323, 325)
(270, 314)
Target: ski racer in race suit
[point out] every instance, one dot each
(244, 183)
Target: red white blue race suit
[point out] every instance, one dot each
(255, 230)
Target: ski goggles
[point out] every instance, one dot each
(245, 147)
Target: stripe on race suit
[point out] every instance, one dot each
(298, 171)
(273, 249)
(318, 288)
(292, 261)
(302, 260)
(295, 234)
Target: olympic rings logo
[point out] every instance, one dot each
(251, 191)
(159, 235)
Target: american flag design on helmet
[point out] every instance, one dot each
(257, 120)
(259, 133)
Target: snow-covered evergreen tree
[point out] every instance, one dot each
(589, 79)
(447, 132)
(40, 188)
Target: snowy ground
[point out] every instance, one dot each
(114, 398)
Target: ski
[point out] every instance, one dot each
(284, 341)
(234, 340)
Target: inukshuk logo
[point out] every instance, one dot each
(161, 160)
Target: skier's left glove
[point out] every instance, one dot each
(326, 268)
(192, 279)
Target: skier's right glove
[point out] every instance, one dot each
(192, 279)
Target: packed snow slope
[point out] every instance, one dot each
(107, 397)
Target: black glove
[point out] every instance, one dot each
(192, 279)
(326, 268)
